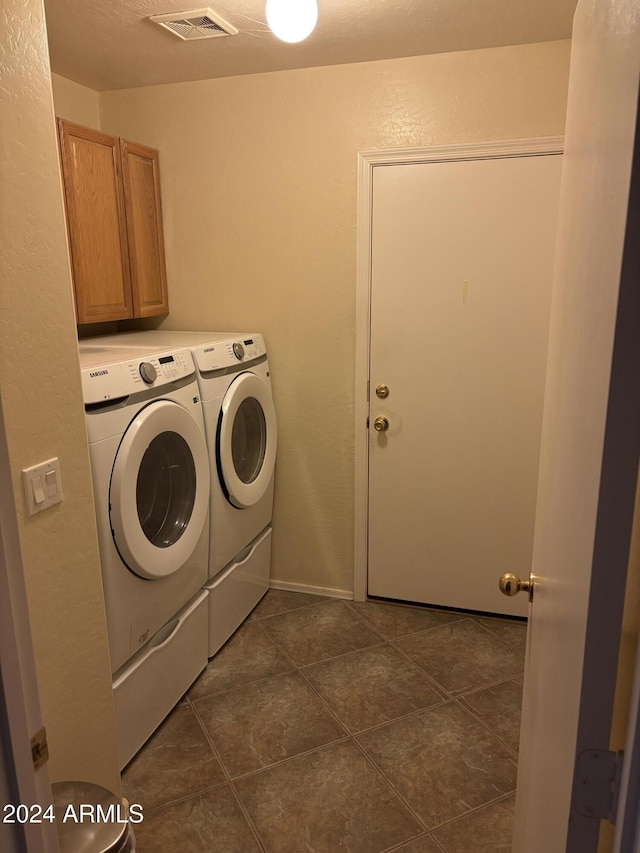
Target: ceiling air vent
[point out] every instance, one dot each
(197, 24)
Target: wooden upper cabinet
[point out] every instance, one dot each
(96, 223)
(114, 220)
(141, 180)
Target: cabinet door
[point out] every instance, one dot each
(141, 180)
(96, 223)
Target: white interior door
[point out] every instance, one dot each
(461, 271)
(591, 436)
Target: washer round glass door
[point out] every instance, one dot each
(159, 494)
(247, 440)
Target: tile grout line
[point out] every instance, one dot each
(513, 752)
(341, 655)
(306, 681)
(248, 818)
(186, 704)
(436, 841)
(384, 776)
(232, 779)
(459, 615)
(431, 678)
(242, 686)
(295, 609)
(325, 704)
(186, 798)
(296, 666)
(288, 759)
(393, 641)
(399, 847)
(466, 692)
(342, 724)
(287, 610)
(490, 686)
(210, 741)
(408, 715)
(497, 635)
(457, 618)
(448, 701)
(218, 692)
(474, 810)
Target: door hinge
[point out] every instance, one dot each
(597, 784)
(39, 749)
(367, 421)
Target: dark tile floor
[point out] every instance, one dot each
(325, 726)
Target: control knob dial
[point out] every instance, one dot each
(148, 372)
(238, 351)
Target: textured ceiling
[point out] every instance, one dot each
(110, 44)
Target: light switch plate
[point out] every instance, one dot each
(42, 485)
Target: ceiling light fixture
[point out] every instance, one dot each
(292, 20)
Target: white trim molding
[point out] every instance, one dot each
(367, 162)
(312, 590)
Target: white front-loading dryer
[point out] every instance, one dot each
(150, 471)
(235, 383)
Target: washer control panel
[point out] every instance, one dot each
(122, 378)
(219, 355)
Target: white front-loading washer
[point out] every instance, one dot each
(150, 471)
(234, 380)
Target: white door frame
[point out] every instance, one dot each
(367, 161)
(17, 673)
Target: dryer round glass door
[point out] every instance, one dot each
(247, 440)
(159, 494)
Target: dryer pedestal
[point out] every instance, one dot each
(236, 590)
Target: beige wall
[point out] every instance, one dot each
(42, 402)
(75, 102)
(259, 194)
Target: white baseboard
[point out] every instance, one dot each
(312, 590)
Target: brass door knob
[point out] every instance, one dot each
(382, 391)
(381, 424)
(511, 584)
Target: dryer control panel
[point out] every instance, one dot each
(219, 355)
(111, 380)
